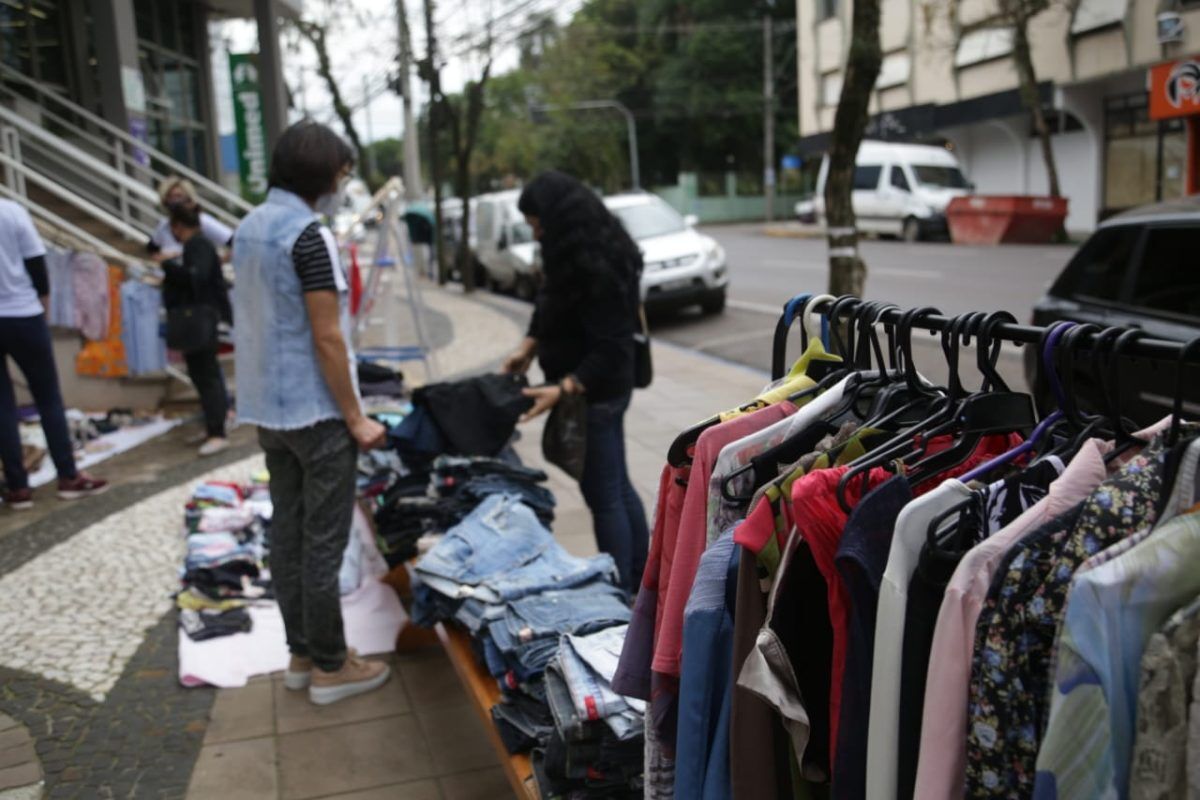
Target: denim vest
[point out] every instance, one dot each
(279, 380)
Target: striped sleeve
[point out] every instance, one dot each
(311, 257)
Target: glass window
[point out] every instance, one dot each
(898, 179)
(1173, 180)
(1166, 280)
(829, 8)
(867, 177)
(1130, 171)
(939, 176)
(168, 25)
(646, 220)
(521, 233)
(1098, 270)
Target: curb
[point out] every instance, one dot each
(792, 231)
(20, 768)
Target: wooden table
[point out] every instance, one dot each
(483, 693)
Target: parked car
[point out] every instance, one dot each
(1137, 270)
(806, 210)
(682, 266)
(900, 189)
(504, 244)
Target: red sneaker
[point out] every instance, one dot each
(82, 485)
(19, 499)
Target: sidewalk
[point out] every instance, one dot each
(87, 636)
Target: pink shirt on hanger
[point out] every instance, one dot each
(941, 770)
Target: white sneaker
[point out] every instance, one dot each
(355, 677)
(213, 446)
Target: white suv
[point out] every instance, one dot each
(682, 267)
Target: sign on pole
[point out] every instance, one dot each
(251, 127)
(1175, 89)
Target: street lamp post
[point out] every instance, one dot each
(630, 126)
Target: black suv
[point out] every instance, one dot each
(1140, 269)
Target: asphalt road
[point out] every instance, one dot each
(765, 271)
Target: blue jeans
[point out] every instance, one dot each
(617, 512)
(27, 340)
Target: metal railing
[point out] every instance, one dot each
(128, 154)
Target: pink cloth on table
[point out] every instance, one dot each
(681, 557)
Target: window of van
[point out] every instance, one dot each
(898, 179)
(939, 177)
(521, 233)
(867, 177)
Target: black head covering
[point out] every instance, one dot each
(578, 231)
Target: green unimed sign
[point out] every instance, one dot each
(251, 130)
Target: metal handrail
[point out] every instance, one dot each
(102, 248)
(176, 166)
(85, 159)
(128, 231)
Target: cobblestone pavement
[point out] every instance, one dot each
(88, 643)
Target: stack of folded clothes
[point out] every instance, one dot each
(549, 627)
(224, 569)
(433, 501)
(595, 748)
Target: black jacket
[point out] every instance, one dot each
(196, 277)
(584, 327)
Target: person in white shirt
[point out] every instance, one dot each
(25, 337)
(173, 192)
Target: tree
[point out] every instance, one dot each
(316, 31)
(1017, 14)
(431, 72)
(847, 271)
(389, 156)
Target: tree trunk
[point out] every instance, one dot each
(432, 75)
(847, 272)
(1027, 77)
(315, 34)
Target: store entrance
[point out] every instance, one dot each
(1145, 160)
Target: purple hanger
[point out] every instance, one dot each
(1056, 333)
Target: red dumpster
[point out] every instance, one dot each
(996, 219)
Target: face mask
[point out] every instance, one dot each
(330, 204)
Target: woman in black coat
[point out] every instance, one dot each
(195, 277)
(582, 334)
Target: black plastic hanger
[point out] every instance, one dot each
(1122, 428)
(1185, 353)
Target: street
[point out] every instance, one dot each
(766, 271)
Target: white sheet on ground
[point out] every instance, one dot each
(119, 441)
(372, 616)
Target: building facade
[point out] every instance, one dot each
(1120, 139)
(143, 65)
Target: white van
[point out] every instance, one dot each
(900, 189)
(504, 245)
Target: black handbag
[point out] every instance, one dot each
(643, 366)
(192, 328)
(564, 439)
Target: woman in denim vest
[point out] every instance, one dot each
(582, 334)
(297, 383)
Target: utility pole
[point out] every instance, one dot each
(413, 188)
(370, 148)
(434, 78)
(769, 112)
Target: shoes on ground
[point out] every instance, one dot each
(19, 499)
(213, 446)
(354, 678)
(82, 485)
(299, 673)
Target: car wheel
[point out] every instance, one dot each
(714, 304)
(911, 232)
(523, 288)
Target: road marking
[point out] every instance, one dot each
(757, 308)
(733, 338)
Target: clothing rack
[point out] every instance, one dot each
(1158, 349)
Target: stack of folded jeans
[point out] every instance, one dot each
(596, 746)
(433, 501)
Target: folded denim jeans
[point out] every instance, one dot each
(590, 690)
(500, 535)
(579, 610)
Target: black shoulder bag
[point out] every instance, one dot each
(643, 367)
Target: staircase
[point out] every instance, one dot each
(89, 185)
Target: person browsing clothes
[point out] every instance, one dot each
(582, 334)
(195, 278)
(176, 192)
(297, 383)
(25, 337)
